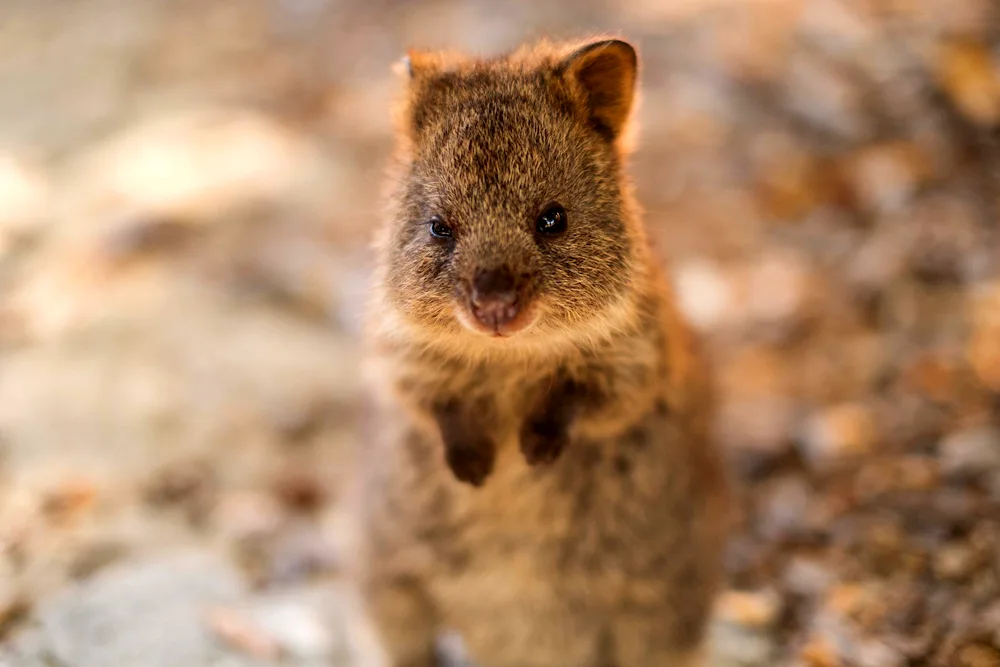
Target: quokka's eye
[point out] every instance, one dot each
(439, 230)
(552, 221)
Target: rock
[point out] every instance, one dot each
(839, 434)
(759, 610)
(819, 652)
(978, 655)
(862, 603)
(917, 473)
(70, 499)
(453, 651)
(933, 376)
(704, 294)
(841, 29)
(874, 653)
(755, 45)
(954, 561)
(141, 615)
(24, 201)
(96, 556)
(955, 508)
(302, 551)
(883, 177)
(826, 97)
(354, 286)
(297, 624)
(779, 292)
(966, 18)
(969, 75)
(945, 240)
(893, 475)
(757, 371)
(983, 350)
(27, 649)
(784, 508)
(885, 548)
(248, 516)
(300, 490)
(733, 646)
(881, 258)
(21, 521)
(842, 365)
(301, 419)
(351, 107)
(990, 619)
(239, 632)
(758, 430)
(808, 577)
(193, 165)
(189, 485)
(14, 607)
(971, 452)
(214, 189)
(143, 236)
(790, 180)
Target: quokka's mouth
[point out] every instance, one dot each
(500, 325)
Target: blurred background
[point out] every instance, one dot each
(187, 191)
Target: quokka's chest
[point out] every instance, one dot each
(499, 395)
(597, 495)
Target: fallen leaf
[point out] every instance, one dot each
(240, 633)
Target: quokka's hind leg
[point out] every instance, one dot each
(660, 641)
(394, 625)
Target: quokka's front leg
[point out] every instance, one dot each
(545, 432)
(469, 449)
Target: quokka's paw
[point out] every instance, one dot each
(542, 441)
(471, 465)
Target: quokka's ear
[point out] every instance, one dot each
(416, 64)
(427, 77)
(403, 68)
(604, 76)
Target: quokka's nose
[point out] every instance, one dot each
(494, 297)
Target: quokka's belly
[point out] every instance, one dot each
(510, 618)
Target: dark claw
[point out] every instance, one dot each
(467, 450)
(543, 442)
(546, 432)
(470, 465)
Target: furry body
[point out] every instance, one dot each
(544, 483)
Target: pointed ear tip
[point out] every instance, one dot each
(617, 43)
(403, 66)
(621, 46)
(626, 48)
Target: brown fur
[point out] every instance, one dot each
(554, 495)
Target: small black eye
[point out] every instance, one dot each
(439, 230)
(552, 221)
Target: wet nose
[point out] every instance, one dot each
(494, 297)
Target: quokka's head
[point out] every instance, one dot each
(510, 221)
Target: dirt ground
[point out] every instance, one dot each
(187, 189)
